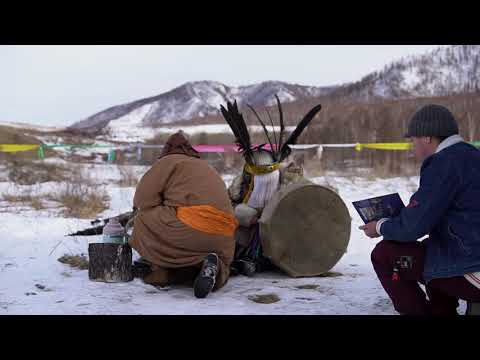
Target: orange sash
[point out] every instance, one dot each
(208, 219)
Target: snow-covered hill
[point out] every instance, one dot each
(193, 99)
(442, 72)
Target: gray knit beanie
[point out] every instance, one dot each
(432, 120)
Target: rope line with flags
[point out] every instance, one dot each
(210, 148)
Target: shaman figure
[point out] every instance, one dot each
(264, 173)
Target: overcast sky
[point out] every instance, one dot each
(58, 85)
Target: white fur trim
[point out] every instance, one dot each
(451, 140)
(378, 227)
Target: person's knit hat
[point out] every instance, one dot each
(432, 120)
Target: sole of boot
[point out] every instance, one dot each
(203, 286)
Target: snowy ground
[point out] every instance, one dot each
(32, 241)
(126, 131)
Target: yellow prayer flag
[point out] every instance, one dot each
(385, 146)
(17, 147)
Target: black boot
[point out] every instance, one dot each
(242, 267)
(473, 308)
(205, 281)
(264, 264)
(247, 267)
(141, 268)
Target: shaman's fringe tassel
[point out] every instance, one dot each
(264, 186)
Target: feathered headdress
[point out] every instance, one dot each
(279, 149)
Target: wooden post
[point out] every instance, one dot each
(110, 262)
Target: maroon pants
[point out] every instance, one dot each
(408, 298)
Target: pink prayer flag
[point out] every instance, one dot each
(219, 148)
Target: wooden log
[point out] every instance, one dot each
(110, 262)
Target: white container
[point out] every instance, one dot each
(114, 233)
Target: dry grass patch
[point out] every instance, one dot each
(307, 287)
(26, 172)
(75, 261)
(81, 200)
(264, 299)
(34, 201)
(78, 198)
(331, 274)
(128, 177)
(37, 203)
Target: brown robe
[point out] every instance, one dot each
(173, 247)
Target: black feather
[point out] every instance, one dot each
(242, 126)
(235, 128)
(236, 122)
(285, 150)
(242, 129)
(282, 126)
(264, 129)
(274, 151)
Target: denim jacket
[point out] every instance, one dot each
(447, 208)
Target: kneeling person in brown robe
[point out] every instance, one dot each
(185, 225)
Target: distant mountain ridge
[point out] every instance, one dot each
(442, 72)
(195, 99)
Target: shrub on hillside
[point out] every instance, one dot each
(28, 172)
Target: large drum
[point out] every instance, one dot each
(305, 229)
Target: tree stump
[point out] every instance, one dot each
(110, 262)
